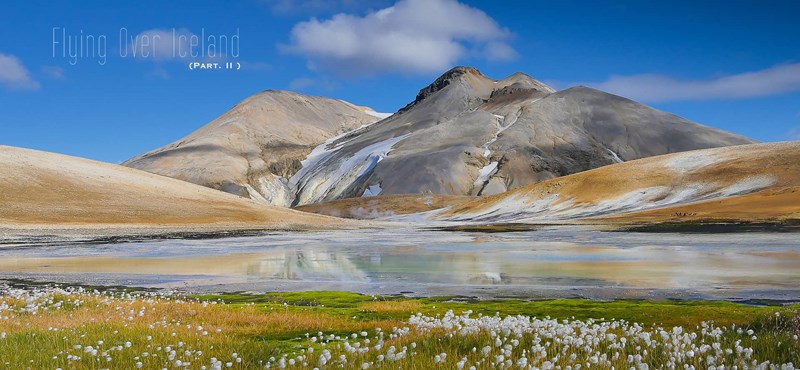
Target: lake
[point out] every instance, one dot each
(551, 262)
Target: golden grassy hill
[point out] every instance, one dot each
(656, 182)
(40, 189)
(779, 204)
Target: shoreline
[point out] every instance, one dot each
(203, 284)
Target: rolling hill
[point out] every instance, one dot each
(721, 178)
(47, 190)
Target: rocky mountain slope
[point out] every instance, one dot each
(47, 190)
(255, 147)
(465, 134)
(737, 181)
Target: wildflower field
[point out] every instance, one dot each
(77, 328)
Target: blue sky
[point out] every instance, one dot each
(729, 64)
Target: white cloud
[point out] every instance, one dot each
(500, 51)
(53, 72)
(256, 66)
(159, 73)
(14, 76)
(784, 78)
(285, 7)
(413, 36)
(161, 44)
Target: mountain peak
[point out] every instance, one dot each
(454, 74)
(525, 81)
(446, 78)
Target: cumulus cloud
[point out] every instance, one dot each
(161, 44)
(286, 7)
(500, 51)
(784, 78)
(158, 73)
(413, 36)
(14, 75)
(256, 66)
(53, 72)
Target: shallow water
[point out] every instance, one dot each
(546, 263)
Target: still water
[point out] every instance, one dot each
(546, 263)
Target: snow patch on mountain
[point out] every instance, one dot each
(614, 156)
(372, 191)
(749, 185)
(500, 128)
(317, 182)
(520, 208)
(272, 189)
(688, 162)
(322, 151)
(485, 173)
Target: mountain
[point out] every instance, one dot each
(755, 181)
(48, 190)
(255, 147)
(466, 134)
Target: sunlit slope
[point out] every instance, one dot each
(467, 134)
(40, 188)
(778, 204)
(649, 183)
(254, 148)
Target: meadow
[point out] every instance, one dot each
(48, 327)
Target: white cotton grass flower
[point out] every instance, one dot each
(508, 342)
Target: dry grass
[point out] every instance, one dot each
(39, 188)
(131, 330)
(392, 307)
(728, 166)
(768, 205)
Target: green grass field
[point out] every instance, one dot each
(44, 328)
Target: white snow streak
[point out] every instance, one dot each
(688, 162)
(318, 182)
(500, 128)
(614, 156)
(749, 185)
(321, 151)
(518, 208)
(485, 173)
(372, 190)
